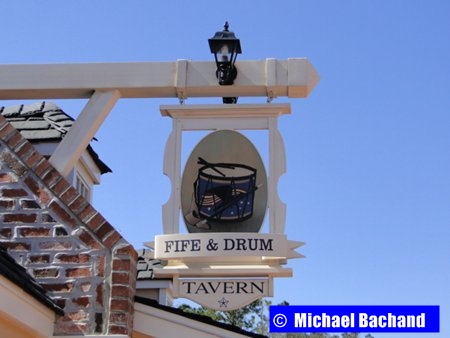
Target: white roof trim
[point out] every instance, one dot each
(159, 323)
(94, 336)
(18, 304)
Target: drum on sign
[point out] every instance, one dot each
(224, 192)
(224, 185)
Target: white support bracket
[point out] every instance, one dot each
(181, 79)
(83, 130)
(271, 79)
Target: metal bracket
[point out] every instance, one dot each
(181, 80)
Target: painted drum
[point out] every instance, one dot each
(224, 185)
(224, 192)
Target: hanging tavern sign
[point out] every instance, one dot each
(224, 195)
(225, 191)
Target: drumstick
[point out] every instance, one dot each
(214, 165)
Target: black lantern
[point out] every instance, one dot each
(225, 47)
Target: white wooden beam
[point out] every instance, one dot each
(293, 78)
(83, 130)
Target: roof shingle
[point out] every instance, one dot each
(44, 121)
(18, 275)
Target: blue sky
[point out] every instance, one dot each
(368, 153)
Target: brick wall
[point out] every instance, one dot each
(85, 265)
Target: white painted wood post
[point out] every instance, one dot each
(172, 169)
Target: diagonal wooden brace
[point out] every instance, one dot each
(83, 130)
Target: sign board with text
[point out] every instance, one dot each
(228, 246)
(223, 195)
(223, 293)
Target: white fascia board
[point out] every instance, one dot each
(294, 78)
(18, 304)
(159, 323)
(90, 167)
(153, 284)
(94, 336)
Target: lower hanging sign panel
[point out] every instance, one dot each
(223, 294)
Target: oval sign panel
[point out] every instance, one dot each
(224, 185)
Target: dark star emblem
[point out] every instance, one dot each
(223, 302)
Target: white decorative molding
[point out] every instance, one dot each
(220, 270)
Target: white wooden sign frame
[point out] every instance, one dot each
(234, 117)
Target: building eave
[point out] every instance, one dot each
(155, 320)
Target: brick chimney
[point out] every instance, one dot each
(86, 266)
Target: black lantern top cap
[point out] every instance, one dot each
(222, 38)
